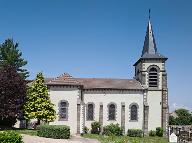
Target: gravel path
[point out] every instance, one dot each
(74, 139)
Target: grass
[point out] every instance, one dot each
(125, 139)
(27, 131)
(24, 131)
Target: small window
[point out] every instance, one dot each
(63, 110)
(153, 77)
(90, 111)
(134, 112)
(112, 111)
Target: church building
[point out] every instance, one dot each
(138, 103)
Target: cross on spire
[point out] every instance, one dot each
(149, 14)
(149, 44)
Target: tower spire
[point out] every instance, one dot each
(149, 14)
(149, 48)
(149, 43)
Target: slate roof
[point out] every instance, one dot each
(153, 56)
(149, 43)
(97, 83)
(107, 83)
(149, 47)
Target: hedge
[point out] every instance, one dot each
(113, 129)
(135, 133)
(54, 131)
(10, 137)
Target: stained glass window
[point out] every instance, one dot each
(112, 111)
(63, 110)
(133, 112)
(90, 111)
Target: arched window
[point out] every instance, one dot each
(90, 111)
(134, 112)
(153, 77)
(112, 111)
(63, 110)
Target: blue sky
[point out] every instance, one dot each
(101, 38)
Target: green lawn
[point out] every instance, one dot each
(126, 139)
(27, 131)
(24, 131)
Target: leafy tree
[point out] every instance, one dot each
(12, 96)
(38, 105)
(184, 117)
(191, 119)
(11, 56)
(172, 120)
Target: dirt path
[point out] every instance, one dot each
(74, 139)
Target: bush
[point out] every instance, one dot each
(54, 131)
(113, 129)
(152, 133)
(85, 130)
(95, 128)
(7, 122)
(10, 137)
(135, 133)
(159, 131)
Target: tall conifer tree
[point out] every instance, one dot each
(11, 56)
(38, 105)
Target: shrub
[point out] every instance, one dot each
(152, 133)
(95, 128)
(85, 130)
(10, 137)
(135, 133)
(54, 131)
(113, 129)
(8, 121)
(159, 131)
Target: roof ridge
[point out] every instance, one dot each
(65, 77)
(104, 78)
(97, 83)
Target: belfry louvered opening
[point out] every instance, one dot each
(153, 77)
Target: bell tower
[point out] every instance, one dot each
(150, 71)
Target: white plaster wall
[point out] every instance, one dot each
(71, 95)
(154, 97)
(154, 101)
(106, 97)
